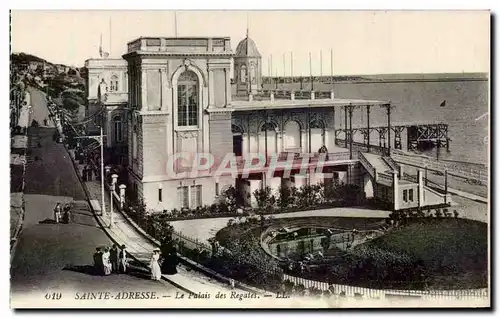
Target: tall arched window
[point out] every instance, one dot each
(292, 135)
(113, 84)
(317, 135)
(243, 74)
(117, 125)
(252, 73)
(187, 99)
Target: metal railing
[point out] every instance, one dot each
(367, 165)
(381, 293)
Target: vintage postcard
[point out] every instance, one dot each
(260, 159)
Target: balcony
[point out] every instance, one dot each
(271, 95)
(284, 161)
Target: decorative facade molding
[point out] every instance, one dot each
(178, 55)
(191, 66)
(187, 134)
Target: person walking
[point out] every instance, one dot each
(169, 254)
(106, 262)
(122, 259)
(113, 257)
(155, 266)
(57, 212)
(84, 174)
(67, 214)
(98, 264)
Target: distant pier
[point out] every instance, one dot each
(415, 135)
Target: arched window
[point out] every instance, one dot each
(243, 74)
(117, 125)
(317, 135)
(270, 145)
(113, 84)
(252, 73)
(187, 99)
(292, 135)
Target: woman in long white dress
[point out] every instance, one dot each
(155, 266)
(106, 262)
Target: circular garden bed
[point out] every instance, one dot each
(434, 253)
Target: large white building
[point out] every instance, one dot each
(173, 95)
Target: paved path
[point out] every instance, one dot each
(453, 182)
(55, 257)
(141, 248)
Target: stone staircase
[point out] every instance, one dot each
(380, 168)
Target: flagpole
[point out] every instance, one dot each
(310, 72)
(321, 64)
(291, 65)
(100, 47)
(175, 22)
(284, 70)
(110, 50)
(269, 69)
(331, 66)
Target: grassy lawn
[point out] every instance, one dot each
(454, 253)
(428, 254)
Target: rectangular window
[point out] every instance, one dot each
(405, 195)
(195, 196)
(410, 195)
(160, 195)
(183, 196)
(217, 188)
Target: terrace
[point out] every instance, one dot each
(162, 45)
(296, 99)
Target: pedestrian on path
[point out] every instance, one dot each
(106, 262)
(155, 266)
(67, 214)
(98, 264)
(113, 256)
(170, 261)
(57, 212)
(84, 174)
(123, 260)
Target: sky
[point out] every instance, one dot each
(361, 42)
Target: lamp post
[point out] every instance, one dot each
(107, 169)
(112, 193)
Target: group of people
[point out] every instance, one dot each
(62, 214)
(114, 260)
(164, 261)
(87, 173)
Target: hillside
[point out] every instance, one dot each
(20, 58)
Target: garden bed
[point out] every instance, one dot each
(429, 253)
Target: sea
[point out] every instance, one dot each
(465, 111)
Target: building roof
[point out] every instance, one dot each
(290, 104)
(247, 48)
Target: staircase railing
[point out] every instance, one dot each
(393, 164)
(367, 165)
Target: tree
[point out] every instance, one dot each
(285, 198)
(265, 199)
